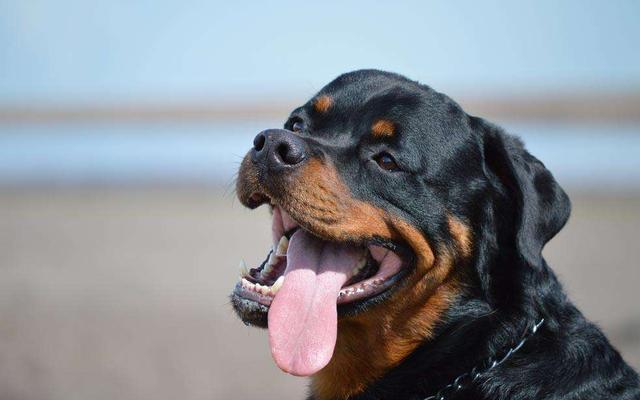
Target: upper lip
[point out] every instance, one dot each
(257, 199)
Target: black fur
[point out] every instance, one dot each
(515, 206)
(451, 162)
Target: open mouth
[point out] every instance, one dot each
(304, 282)
(373, 266)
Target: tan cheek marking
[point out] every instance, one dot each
(383, 128)
(323, 103)
(370, 344)
(322, 203)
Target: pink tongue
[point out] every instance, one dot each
(303, 320)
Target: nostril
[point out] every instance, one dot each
(282, 152)
(289, 154)
(259, 141)
(278, 148)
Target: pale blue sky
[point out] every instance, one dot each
(77, 50)
(83, 52)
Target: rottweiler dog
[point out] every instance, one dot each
(406, 259)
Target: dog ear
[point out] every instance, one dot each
(536, 207)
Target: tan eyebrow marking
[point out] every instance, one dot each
(383, 128)
(323, 103)
(462, 235)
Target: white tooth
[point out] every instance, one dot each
(258, 287)
(265, 290)
(246, 284)
(283, 245)
(361, 263)
(273, 259)
(267, 268)
(277, 284)
(244, 271)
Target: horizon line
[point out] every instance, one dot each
(582, 106)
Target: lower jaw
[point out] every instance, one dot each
(253, 307)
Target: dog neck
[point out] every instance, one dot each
(370, 345)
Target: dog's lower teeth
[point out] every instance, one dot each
(262, 289)
(277, 285)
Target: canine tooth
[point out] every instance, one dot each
(283, 245)
(245, 283)
(277, 284)
(273, 258)
(244, 271)
(268, 266)
(258, 287)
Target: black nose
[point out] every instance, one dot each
(279, 148)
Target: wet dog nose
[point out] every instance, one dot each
(279, 148)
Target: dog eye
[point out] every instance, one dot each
(386, 162)
(297, 126)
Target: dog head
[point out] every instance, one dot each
(388, 201)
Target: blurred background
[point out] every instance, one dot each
(122, 124)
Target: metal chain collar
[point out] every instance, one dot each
(465, 380)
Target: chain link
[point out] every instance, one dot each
(463, 381)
